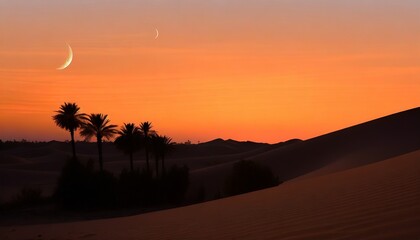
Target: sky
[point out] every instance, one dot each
(261, 70)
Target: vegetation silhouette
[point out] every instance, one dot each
(147, 131)
(69, 118)
(248, 176)
(175, 184)
(140, 188)
(135, 188)
(72, 188)
(97, 124)
(161, 146)
(81, 188)
(27, 197)
(129, 140)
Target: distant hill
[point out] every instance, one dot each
(215, 147)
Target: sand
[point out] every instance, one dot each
(376, 201)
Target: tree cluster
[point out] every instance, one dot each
(80, 187)
(130, 138)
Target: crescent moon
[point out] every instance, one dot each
(157, 33)
(68, 60)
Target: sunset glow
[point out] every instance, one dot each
(257, 70)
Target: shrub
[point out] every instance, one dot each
(200, 194)
(80, 187)
(135, 188)
(175, 184)
(139, 188)
(103, 192)
(27, 197)
(247, 176)
(73, 182)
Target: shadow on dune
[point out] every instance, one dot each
(355, 146)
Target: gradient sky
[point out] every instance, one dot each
(248, 70)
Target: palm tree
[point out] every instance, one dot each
(129, 140)
(98, 125)
(146, 130)
(69, 118)
(161, 147)
(166, 147)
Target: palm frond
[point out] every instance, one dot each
(129, 139)
(97, 125)
(69, 117)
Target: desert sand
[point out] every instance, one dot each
(375, 201)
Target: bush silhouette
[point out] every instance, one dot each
(80, 187)
(175, 184)
(139, 188)
(26, 197)
(136, 188)
(247, 176)
(200, 195)
(103, 193)
(73, 184)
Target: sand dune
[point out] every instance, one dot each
(362, 144)
(376, 201)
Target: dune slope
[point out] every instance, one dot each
(358, 145)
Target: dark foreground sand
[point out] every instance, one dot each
(375, 201)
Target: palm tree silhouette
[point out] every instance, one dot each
(129, 140)
(69, 118)
(162, 145)
(146, 130)
(166, 147)
(98, 125)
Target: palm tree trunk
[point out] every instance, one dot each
(131, 161)
(147, 156)
(157, 166)
(99, 141)
(73, 144)
(163, 164)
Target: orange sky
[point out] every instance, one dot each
(248, 70)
